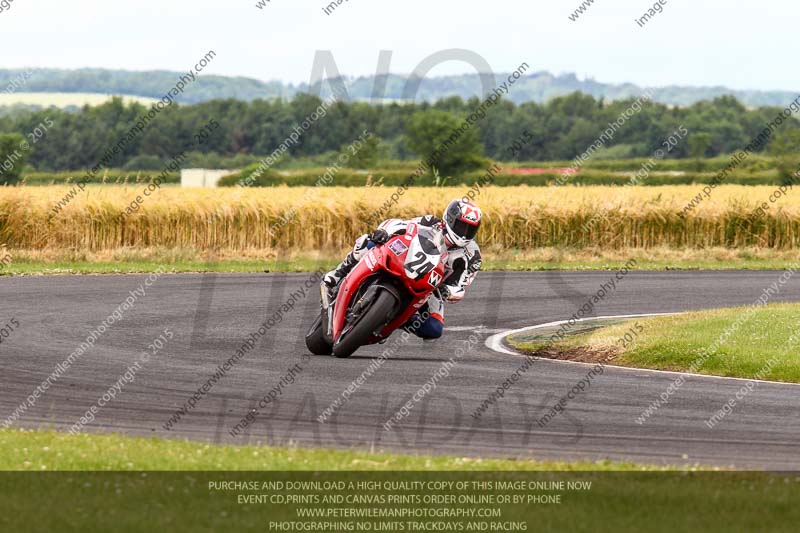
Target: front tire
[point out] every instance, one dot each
(372, 319)
(315, 338)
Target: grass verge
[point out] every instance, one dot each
(121, 261)
(251, 499)
(28, 450)
(745, 342)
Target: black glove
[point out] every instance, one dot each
(379, 236)
(444, 292)
(429, 221)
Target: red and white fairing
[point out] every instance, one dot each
(416, 258)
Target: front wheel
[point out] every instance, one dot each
(371, 320)
(315, 338)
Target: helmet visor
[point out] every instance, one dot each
(464, 229)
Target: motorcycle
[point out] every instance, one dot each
(382, 292)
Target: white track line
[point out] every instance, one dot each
(496, 344)
(474, 329)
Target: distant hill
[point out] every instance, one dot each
(537, 87)
(149, 84)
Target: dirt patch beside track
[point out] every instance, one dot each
(582, 354)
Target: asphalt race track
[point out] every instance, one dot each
(211, 315)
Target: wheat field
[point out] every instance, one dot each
(298, 218)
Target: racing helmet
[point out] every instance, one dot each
(461, 219)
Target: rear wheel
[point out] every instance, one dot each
(315, 338)
(373, 318)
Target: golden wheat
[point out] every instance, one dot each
(285, 218)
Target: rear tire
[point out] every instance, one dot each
(315, 338)
(376, 316)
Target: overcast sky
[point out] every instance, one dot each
(742, 45)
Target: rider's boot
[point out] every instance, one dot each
(335, 276)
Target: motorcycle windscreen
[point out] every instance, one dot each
(425, 252)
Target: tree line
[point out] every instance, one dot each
(560, 129)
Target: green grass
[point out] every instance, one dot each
(644, 264)
(131, 178)
(751, 342)
(143, 266)
(191, 496)
(29, 450)
(393, 178)
(128, 262)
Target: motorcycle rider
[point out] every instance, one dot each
(460, 223)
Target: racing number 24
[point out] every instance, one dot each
(420, 265)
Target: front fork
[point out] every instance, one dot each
(327, 300)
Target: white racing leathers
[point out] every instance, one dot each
(461, 267)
